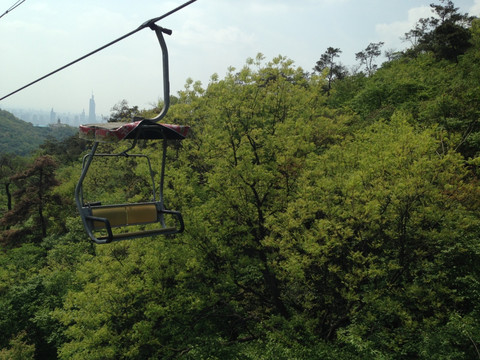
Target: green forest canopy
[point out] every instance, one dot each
(22, 138)
(327, 217)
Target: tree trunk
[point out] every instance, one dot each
(9, 196)
(43, 223)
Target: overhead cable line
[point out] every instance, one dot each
(14, 6)
(150, 23)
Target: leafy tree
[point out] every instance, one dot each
(432, 91)
(255, 129)
(121, 112)
(32, 195)
(368, 56)
(416, 35)
(392, 54)
(371, 227)
(21, 298)
(446, 33)
(9, 165)
(34, 279)
(317, 227)
(19, 349)
(66, 151)
(333, 70)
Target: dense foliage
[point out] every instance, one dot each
(327, 217)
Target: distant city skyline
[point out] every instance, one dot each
(208, 38)
(45, 117)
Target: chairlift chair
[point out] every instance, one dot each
(102, 222)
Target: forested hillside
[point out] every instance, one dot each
(21, 138)
(328, 215)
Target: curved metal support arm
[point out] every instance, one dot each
(166, 81)
(87, 160)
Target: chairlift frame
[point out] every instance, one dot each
(104, 218)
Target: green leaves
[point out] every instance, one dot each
(373, 221)
(320, 227)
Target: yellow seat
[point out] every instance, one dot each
(124, 215)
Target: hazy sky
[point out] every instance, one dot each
(208, 36)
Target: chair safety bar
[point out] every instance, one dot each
(110, 216)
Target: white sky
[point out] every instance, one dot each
(208, 36)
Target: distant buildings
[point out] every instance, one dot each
(54, 121)
(52, 116)
(82, 117)
(92, 118)
(44, 118)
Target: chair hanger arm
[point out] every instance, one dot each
(166, 80)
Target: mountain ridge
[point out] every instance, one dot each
(21, 138)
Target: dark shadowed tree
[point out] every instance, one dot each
(392, 54)
(31, 198)
(367, 57)
(415, 35)
(65, 151)
(446, 33)
(333, 69)
(9, 164)
(121, 112)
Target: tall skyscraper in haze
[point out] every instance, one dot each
(91, 111)
(52, 116)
